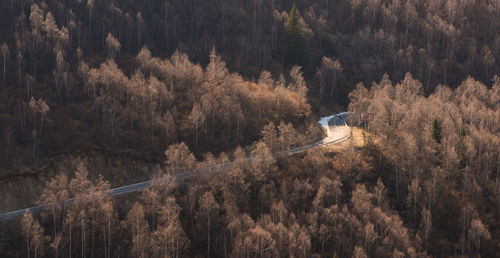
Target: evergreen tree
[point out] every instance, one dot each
(436, 131)
(437, 135)
(295, 39)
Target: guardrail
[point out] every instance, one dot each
(177, 177)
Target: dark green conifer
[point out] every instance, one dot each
(436, 131)
(462, 148)
(295, 39)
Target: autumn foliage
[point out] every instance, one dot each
(180, 87)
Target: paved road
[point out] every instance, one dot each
(335, 125)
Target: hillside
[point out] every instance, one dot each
(98, 94)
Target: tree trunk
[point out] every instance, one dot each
(208, 245)
(3, 77)
(109, 238)
(70, 229)
(28, 244)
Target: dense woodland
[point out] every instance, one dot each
(191, 84)
(59, 53)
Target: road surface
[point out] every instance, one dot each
(335, 126)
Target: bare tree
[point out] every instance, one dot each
(53, 195)
(27, 223)
(196, 120)
(208, 209)
(269, 136)
(139, 229)
(33, 233)
(287, 136)
(478, 235)
(140, 24)
(170, 238)
(488, 59)
(20, 68)
(108, 220)
(260, 243)
(299, 241)
(328, 72)
(50, 28)
(36, 21)
(68, 224)
(337, 68)
(90, 7)
(156, 92)
(240, 158)
(351, 162)
(113, 46)
(167, 125)
(178, 159)
(426, 225)
(297, 83)
(216, 70)
(59, 70)
(380, 193)
(5, 54)
(262, 162)
(144, 57)
(38, 239)
(80, 187)
(414, 190)
(99, 210)
(38, 108)
(266, 80)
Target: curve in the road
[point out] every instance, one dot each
(335, 125)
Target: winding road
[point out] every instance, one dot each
(335, 126)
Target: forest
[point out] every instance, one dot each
(98, 94)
